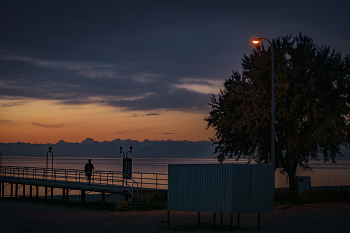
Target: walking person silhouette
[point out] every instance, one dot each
(88, 170)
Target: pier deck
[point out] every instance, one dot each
(25, 182)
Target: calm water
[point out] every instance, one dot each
(324, 174)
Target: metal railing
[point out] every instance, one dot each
(151, 180)
(113, 178)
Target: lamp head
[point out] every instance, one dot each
(256, 40)
(131, 148)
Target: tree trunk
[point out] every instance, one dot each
(293, 182)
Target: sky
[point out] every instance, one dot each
(71, 70)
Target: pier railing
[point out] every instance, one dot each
(141, 180)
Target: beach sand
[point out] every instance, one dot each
(24, 216)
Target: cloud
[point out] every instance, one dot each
(5, 121)
(201, 86)
(171, 56)
(88, 69)
(12, 104)
(48, 126)
(168, 133)
(71, 108)
(179, 99)
(128, 131)
(134, 115)
(149, 114)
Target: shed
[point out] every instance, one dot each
(221, 188)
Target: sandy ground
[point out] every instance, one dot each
(22, 216)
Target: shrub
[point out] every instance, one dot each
(326, 194)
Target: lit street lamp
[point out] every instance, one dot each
(257, 41)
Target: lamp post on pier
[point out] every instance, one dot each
(127, 163)
(47, 158)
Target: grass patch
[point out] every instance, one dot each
(286, 197)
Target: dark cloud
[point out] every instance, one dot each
(149, 114)
(11, 104)
(47, 126)
(128, 131)
(153, 114)
(177, 99)
(140, 55)
(5, 121)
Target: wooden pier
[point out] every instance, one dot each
(49, 185)
(15, 183)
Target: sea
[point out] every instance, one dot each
(322, 174)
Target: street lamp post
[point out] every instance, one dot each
(47, 158)
(257, 41)
(127, 163)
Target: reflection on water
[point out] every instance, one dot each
(323, 174)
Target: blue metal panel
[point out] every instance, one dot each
(220, 188)
(262, 189)
(241, 188)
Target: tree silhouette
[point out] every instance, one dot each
(311, 106)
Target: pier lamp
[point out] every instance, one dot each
(256, 41)
(127, 163)
(130, 151)
(47, 158)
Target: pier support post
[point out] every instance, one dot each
(168, 217)
(103, 200)
(37, 191)
(82, 197)
(11, 191)
(51, 193)
(3, 189)
(63, 194)
(30, 191)
(67, 191)
(24, 190)
(45, 193)
(16, 190)
(199, 220)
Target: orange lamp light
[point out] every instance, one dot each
(256, 41)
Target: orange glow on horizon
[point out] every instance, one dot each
(39, 121)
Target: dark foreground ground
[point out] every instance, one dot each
(24, 216)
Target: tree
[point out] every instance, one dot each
(311, 106)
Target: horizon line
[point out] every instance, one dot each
(93, 141)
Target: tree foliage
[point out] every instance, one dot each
(311, 106)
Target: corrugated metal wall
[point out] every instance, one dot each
(221, 188)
